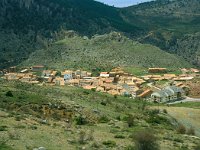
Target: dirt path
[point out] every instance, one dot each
(188, 116)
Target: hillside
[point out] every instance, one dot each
(91, 120)
(27, 25)
(173, 25)
(102, 51)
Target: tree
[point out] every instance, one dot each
(145, 140)
(9, 94)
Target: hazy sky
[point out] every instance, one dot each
(122, 3)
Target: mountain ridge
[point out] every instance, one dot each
(27, 26)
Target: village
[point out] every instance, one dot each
(116, 82)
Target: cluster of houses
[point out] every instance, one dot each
(115, 82)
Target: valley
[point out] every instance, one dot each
(82, 75)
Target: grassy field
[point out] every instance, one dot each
(100, 121)
(195, 105)
(189, 117)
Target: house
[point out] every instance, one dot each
(157, 70)
(113, 92)
(112, 74)
(169, 76)
(100, 89)
(25, 79)
(46, 73)
(193, 70)
(169, 93)
(74, 82)
(59, 81)
(11, 76)
(184, 70)
(104, 74)
(53, 74)
(67, 74)
(37, 68)
(183, 78)
(145, 94)
(109, 80)
(89, 87)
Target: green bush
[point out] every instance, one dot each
(153, 112)
(165, 111)
(9, 94)
(3, 128)
(119, 136)
(158, 120)
(109, 143)
(80, 120)
(104, 119)
(130, 120)
(145, 140)
(178, 140)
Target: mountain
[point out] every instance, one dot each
(30, 25)
(170, 24)
(27, 25)
(102, 51)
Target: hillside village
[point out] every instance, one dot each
(158, 85)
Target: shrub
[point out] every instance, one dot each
(119, 136)
(109, 143)
(129, 147)
(154, 112)
(191, 131)
(95, 145)
(118, 118)
(80, 120)
(178, 140)
(9, 94)
(145, 140)
(130, 120)
(18, 118)
(158, 120)
(165, 111)
(104, 119)
(104, 103)
(3, 128)
(181, 129)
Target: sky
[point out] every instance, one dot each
(122, 3)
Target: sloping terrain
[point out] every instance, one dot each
(173, 25)
(98, 120)
(187, 116)
(27, 25)
(103, 51)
